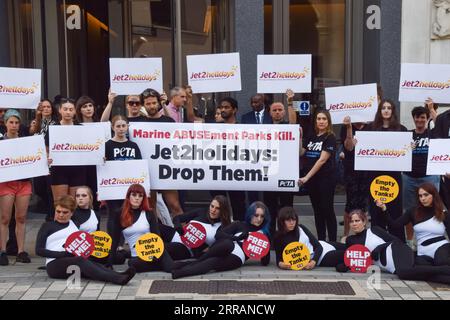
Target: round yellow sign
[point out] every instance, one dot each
(297, 255)
(384, 188)
(149, 246)
(103, 244)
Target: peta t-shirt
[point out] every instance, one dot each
(420, 154)
(314, 146)
(127, 150)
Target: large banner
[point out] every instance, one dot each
(359, 102)
(134, 75)
(214, 72)
(438, 157)
(420, 81)
(218, 156)
(383, 151)
(115, 177)
(23, 158)
(279, 72)
(20, 88)
(76, 145)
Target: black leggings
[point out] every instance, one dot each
(58, 269)
(441, 257)
(321, 193)
(335, 257)
(164, 263)
(177, 251)
(406, 269)
(218, 258)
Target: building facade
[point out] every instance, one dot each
(352, 41)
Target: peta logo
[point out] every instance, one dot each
(315, 146)
(286, 183)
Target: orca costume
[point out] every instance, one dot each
(325, 254)
(143, 223)
(225, 254)
(50, 244)
(393, 256)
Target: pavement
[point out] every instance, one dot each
(26, 282)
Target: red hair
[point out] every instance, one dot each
(126, 217)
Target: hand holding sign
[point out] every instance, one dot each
(149, 246)
(297, 255)
(103, 243)
(194, 235)
(384, 188)
(256, 246)
(80, 244)
(358, 258)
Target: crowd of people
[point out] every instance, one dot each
(70, 195)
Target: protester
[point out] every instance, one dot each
(259, 115)
(227, 253)
(322, 253)
(319, 148)
(14, 195)
(50, 244)
(84, 216)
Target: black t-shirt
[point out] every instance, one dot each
(420, 154)
(163, 118)
(442, 126)
(314, 146)
(127, 150)
(137, 119)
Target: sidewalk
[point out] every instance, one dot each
(26, 282)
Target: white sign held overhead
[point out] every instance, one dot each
(279, 72)
(418, 82)
(359, 102)
(134, 75)
(214, 72)
(20, 88)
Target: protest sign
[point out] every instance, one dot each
(357, 258)
(22, 158)
(256, 246)
(149, 247)
(103, 243)
(194, 235)
(80, 244)
(297, 255)
(20, 88)
(384, 188)
(438, 157)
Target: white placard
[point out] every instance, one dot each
(279, 72)
(383, 151)
(359, 102)
(20, 88)
(105, 126)
(214, 72)
(134, 75)
(438, 157)
(76, 145)
(420, 81)
(115, 177)
(219, 156)
(23, 158)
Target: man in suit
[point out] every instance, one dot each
(259, 115)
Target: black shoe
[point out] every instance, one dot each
(23, 257)
(127, 276)
(4, 259)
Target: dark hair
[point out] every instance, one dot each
(438, 205)
(54, 116)
(361, 214)
(394, 123)
(251, 210)
(126, 217)
(147, 93)
(80, 103)
(62, 100)
(284, 214)
(231, 101)
(418, 111)
(224, 210)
